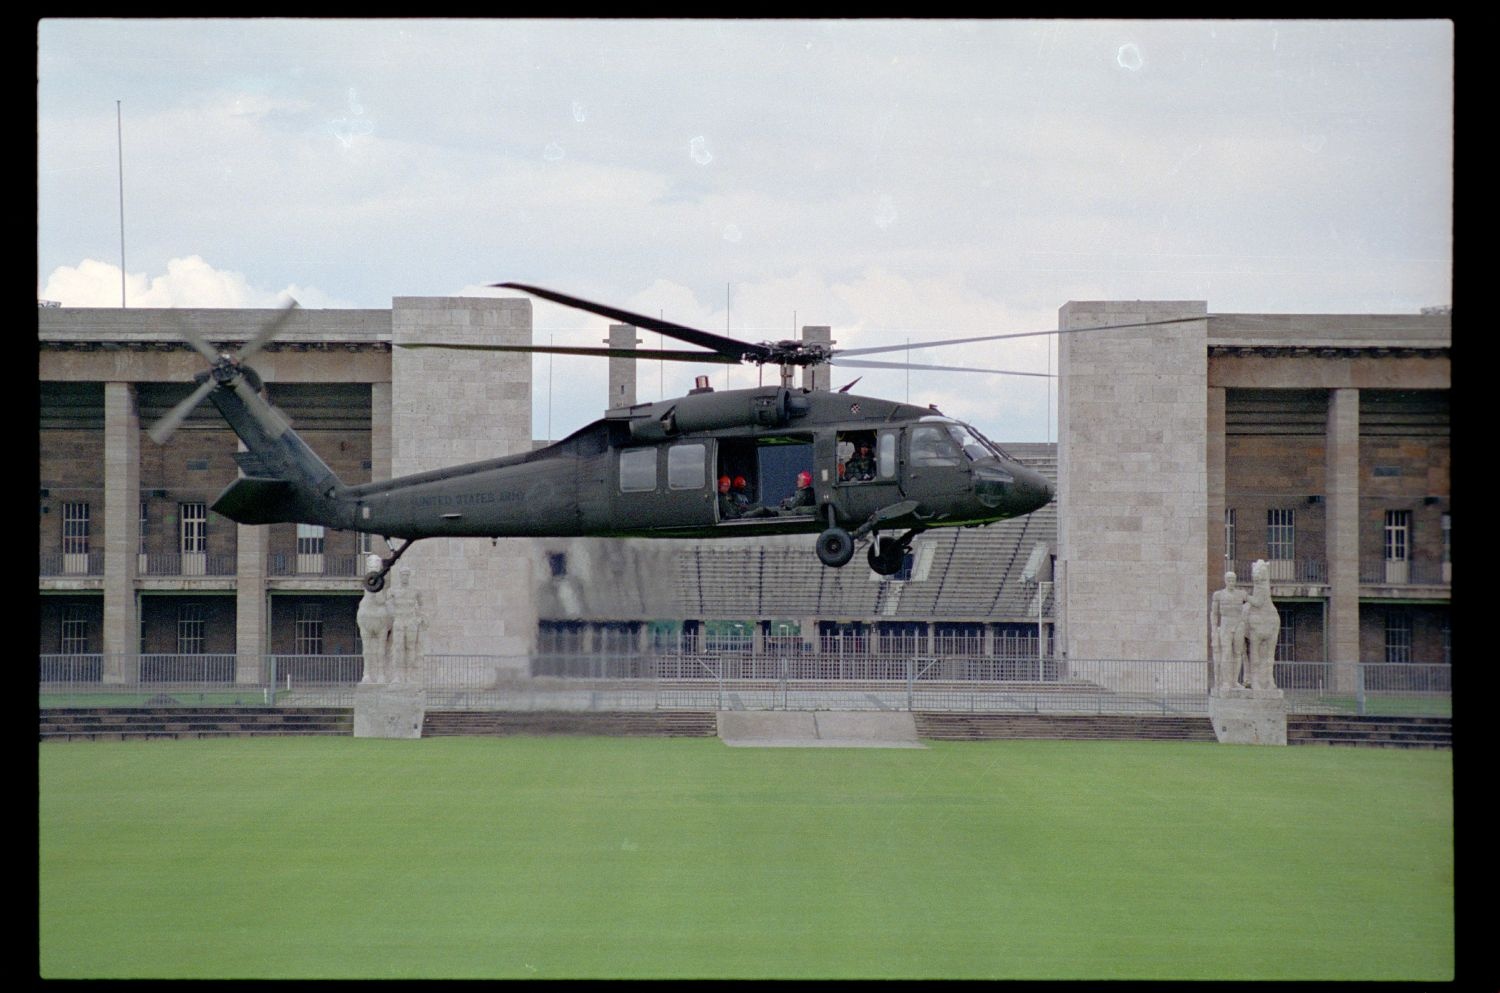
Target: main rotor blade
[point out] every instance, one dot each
(192, 337)
(270, 419)
(172, 419)
(732, 347)
(872, 364)
(1000, 337)
(271, 330)
(669, 354)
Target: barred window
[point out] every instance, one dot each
(190, 629)
(308, 628)
(1397, 636)
(75, 629)
(1286, 640)
(1397, 535)
(75, 525)
(309, 539)
(194, 518)
(1229, 535)
(1281, 533)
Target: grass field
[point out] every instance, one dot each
(594, 857)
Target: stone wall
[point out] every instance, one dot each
(1132, 482)
(453, 407)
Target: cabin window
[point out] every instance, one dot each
(637, 470)
(885, 455)
(856, 455)
(685, 467)
(931, 445)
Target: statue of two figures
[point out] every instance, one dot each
(390, 625)
(1244, 628)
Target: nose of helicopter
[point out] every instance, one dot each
(1032, 487)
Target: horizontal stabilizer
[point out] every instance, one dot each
(252, 464)
(258, 501)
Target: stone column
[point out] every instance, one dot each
(251, 603)
(452, 407)
(1133, 482)
(251, 623)
(122, 521)
(380, 431)
(815, 377)
(1342, 529)
(1216, 456)
(621, 371)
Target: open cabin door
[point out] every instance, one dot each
(868, 473)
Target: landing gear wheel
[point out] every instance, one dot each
(375, 582)
(835, 547)
(886, 559)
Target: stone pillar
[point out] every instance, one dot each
(380, 431)
(452, 407)
(1216, 456)
(1133, 482)
(621, 371)
(252, 627)
(251, 606)
(815, 377)
(1341, 473)
(122, 521)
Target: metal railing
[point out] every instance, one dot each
(294, 564)
(1302, 571)
(70, 564)
(671, 682)
(187, 564)
(1379, 572)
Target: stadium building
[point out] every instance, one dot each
(1317, 442)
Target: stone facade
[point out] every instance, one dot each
(452, 407)
(1132, 475)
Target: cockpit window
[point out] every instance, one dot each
(996, 449)
(931, 444)
(966, 438)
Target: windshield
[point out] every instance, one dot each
(989, 445)
(973, 444)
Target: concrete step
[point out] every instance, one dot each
(661, 723)
(190, 722)
(1371, 732)
(980, 727)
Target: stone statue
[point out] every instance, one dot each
(407, 623)
(1262, 627)
(1227, 626)
(374, 617)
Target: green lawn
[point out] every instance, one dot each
(594, 857)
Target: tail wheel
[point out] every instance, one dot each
(375, 582)
(835, 547)
(887, 560)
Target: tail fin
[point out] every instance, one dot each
(284, 480)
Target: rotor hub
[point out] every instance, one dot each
(793, 353)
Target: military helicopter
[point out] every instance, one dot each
(763, 461)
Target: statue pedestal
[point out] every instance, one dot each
(1248, 717)
(389, 710)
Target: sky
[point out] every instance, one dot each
(900, 181)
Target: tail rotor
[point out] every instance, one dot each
(227, 369)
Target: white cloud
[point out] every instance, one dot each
(188, 282)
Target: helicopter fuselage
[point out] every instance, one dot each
(653, 471)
